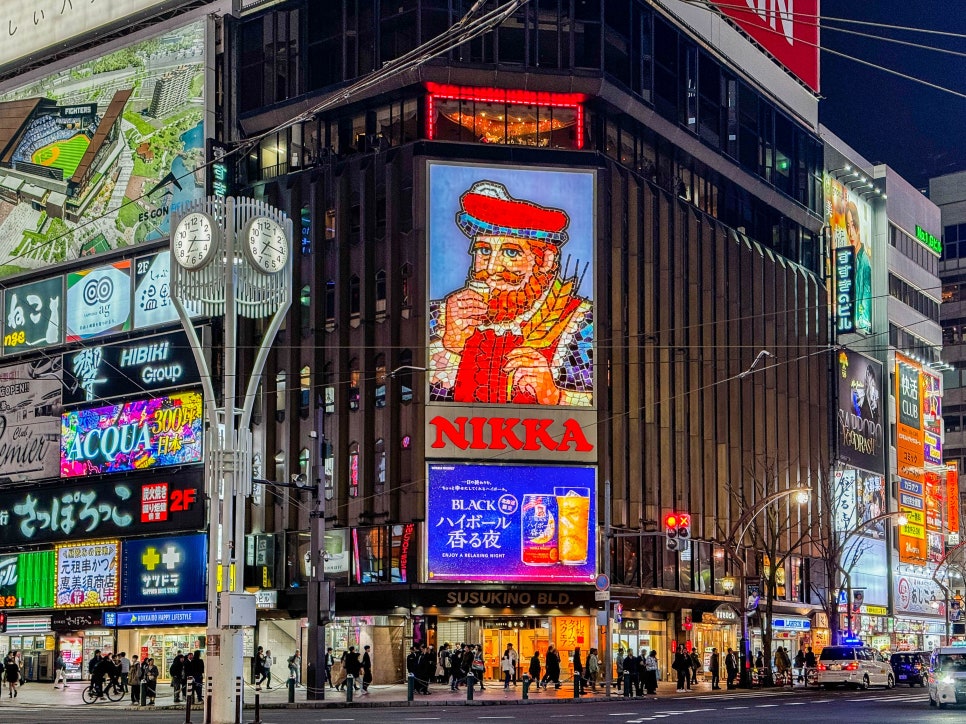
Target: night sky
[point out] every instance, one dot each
(919, 131)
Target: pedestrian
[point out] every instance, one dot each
(258, 666)
(467, 663)
(506, 668)
(593, 668)
(639, 682)
(515, 659)
(715, 670)
(94, 661)
(177, 673)
(149, 680)
(60, 670)
(479, 665)
(731, 667)
(535, 668)
(329, 663)
(125, 663)
(295, 666)
(800, 664)
(267, 669)
(552, 668)
(351, 664)
(759, 661)
(103, 671)
(134, 680)
(682, 665)
(695, 668)
(366, 668)
(650, 672)
(620, 663)
(11, 672)
(196, 670)
(631, 674)
(442, 660)
(578, 665)
(456, 667)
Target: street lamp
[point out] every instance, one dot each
(229, 258)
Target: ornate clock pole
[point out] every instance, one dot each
(229, 257)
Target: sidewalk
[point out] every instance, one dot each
(44, 695)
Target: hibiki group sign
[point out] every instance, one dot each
(511, 523)
(136, 435)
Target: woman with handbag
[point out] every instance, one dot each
(479, 665)
(149, 680)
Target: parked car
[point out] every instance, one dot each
(910, 667)
(947, 676)
(857, 666)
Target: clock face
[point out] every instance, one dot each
(266, 245)
(193, 241)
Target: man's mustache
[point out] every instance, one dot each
(503, 276)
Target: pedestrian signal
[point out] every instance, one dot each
(677, 529)
(618, 612)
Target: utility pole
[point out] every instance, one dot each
(608, 646)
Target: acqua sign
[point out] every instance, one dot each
(563, 435)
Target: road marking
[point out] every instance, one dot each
(795, 703)
(422, 718)
(764, 706)
(496, 717)
(732, 708)
(624, 713)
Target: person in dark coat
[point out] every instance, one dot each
(467, 663)
(351, 664)
(455, 667)
(535, 668)
(682, 665)
(630, 665)
(196, 670)
(578, 670)
(178, 677)
(731, 667)
(695, 668)
(366, 669)
(715, 669)
(552, 668)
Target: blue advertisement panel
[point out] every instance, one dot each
(511, 270)
(163, 571)
(532, 523)
(127, 619)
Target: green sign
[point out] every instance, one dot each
(27, 580)
(930, 241)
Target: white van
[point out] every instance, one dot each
(858, 666)
(947, 676)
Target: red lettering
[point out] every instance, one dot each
(456, 435)
(502, 429)
(537, 435)
(574, 434)
(477, 425)
(177, 501)
(190, 496)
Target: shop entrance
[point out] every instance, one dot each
(99, 641)
(525, 641)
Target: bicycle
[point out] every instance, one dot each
(113, 690)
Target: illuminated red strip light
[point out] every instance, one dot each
(503, 95)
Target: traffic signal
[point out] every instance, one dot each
(618, 612)
(677, 529)
(3, 622)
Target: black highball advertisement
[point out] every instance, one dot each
(861, 436)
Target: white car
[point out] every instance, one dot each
(947, 676)
(858, 666)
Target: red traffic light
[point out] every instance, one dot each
(671, 520)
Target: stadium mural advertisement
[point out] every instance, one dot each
(850, 219)
(87, 574)
(148, 433)
(29, 420)
(30, 28)
(788, 31)
(527, 523)
(151, 505)
(102, 152)
(513, 323)
(861, 435)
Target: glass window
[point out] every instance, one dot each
(304, 462)
(355, 296)
(380, 380)
(330, 300)
(280, 393)
(405, 376)
(379, 466)
(328, 469)
(354, 470)
(355, 378)
(305, 390)
(381, 293)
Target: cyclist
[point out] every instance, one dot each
(101, 670)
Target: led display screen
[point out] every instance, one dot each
(511, 270)
(849, 218)
(511, 523)
(87, 574)
(860, 407)
(99, 301)
(160, 571)
(32, 315)
(135, 435)
(92, 148)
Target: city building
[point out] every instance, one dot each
(170, 92)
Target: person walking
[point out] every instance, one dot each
(506, 667)
(731, 667)
(631, 673)
(352, 667)
(177, 673)
(682, 665)
(552, 668)
(329, 663)
(534, 669)
(515, 659)
(639, 683)
(455, 667)
(578, 665)
(60, 670)
(149, 680)
(479, 665)
(258, 666)
(593, 668)
(11, 672)
(295, 667)
(715, 670)
(695, 668)
(125, 663)
(650, 673)
(134, 680)
(366, 668)
(196, 670)
(267, 669)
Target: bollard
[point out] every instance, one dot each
(258, 705)
(410, 686)
(627, 684)
(350, 688)
(526, 686)
(189, 700)
(144, 694)
(208, 701)
(576, 685)
(291, 689)
(470, 686)
(239, 684)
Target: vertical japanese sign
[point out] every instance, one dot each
(29, 427)
(844, 289)
(911, 461)
(952, 498)
(932, 417)
(534, 523)
(87, 574)
(849, 218)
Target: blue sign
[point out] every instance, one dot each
(164, 571)
(533, 523)
(791, 624)
(128, 619)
